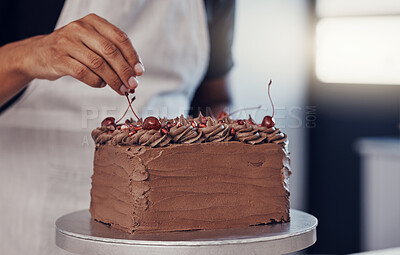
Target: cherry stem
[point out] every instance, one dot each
(245, 109)
(130, 105)
(127, 108)
(270, 99)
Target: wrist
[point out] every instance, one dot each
(12, 75)
(18, 59)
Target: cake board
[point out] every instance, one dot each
(78, 233)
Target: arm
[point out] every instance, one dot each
(12, 76)
(89, 49)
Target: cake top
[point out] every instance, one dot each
(156, 132)
(162, 132)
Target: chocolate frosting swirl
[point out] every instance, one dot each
(189, 130)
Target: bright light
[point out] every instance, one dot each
(332, 8)
(358, 50)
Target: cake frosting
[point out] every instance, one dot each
(187, 131)
(190, 174)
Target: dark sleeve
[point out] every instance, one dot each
(220, 15)
(21, 19)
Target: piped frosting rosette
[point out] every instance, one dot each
(183, 130)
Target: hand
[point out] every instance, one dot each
(91, 50)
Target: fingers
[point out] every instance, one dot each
(95, 52)
(81, 72)
(119, 39)
(100, 67)
(112, 55)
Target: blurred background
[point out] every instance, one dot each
(335, 66)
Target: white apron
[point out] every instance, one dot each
(46, 152)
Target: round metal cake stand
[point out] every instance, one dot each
(78, 233)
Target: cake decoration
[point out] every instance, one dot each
(269, 121)
(161, 132)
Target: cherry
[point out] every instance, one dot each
(151, 123)
(109, 121)
(268, 121)
(222, 115)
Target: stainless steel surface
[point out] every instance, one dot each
(78, 233)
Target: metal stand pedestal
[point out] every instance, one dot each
(78, 233)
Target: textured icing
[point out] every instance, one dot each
(190, 186)
(191, 130)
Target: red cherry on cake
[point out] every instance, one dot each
(151, 123)
(109, 121)
(268, 122)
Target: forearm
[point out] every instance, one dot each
(13, 77)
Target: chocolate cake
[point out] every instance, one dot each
(189, 174)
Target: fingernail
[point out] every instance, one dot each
(123, 89)
(139, 69)
(133, 82)
(103, 84)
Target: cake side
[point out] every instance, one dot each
(190, 186)
(118, 185)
